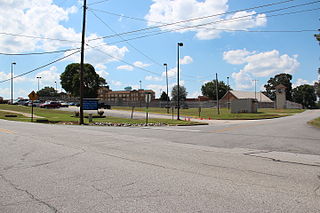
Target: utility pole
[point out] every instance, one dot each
(82, 59)
(217, 95)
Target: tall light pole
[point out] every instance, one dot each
(38, 77)
(13, 63)
(228, 92)
(217, 94)
(255, 89)
(56, 86)
(178, 79)
(140, 84)
(166, 65)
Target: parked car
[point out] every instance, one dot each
(104, 106)
(50, 104)
(19, 101)
(36, 103)
(64, 104)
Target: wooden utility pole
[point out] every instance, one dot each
(82, 59)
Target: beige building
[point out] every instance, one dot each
(234, 95)
(133, 96)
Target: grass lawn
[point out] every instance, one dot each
(224, 113)
(57, 116)
(315, 122)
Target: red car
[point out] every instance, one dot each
(50, 104)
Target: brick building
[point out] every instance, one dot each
(124, 97)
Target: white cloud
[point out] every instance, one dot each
(236, 56)
(140, 64)
(49, 76)
(264, 64)
(36, 18)
(101, 54)
(243, 80)
(153, 78)
(4, 76)
(186, 60)
(116, 83)
(170, 11)
(301, 81)
(44, 19)
(194, 94)
(125, 67)
(171, 73)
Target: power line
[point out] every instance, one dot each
(196, 19)
(38, 37)
(39, 53)
(264, 31)
(139, 51)
(98, 2)
(43, 66)
(119, 59)
(159, 32)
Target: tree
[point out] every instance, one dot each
(164, 97)
(182, 93)
(70, 80)
(317, 88)
(209, 89)
(47, 92)
(305, 95)
(284, 79)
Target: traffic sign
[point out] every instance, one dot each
(33, 96)
(148, 98)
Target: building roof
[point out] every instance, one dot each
(280, 86)
(245, 94)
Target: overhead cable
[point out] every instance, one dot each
(198, 18)
(43, 66)
(40, 53)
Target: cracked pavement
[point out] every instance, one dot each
(248, 166)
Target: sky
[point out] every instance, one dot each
(127, 42)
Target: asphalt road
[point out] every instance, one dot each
(243, 166)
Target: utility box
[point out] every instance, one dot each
(248, 105)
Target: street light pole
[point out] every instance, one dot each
(56, 86)
(13, 63)
(38, 77)
(166, 65)
(255, 89)
(178, 79)
(228, 92)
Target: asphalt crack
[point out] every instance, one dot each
(281, 161)
(32, 196)
(317, 189)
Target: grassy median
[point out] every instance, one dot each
(64, 117)
(315, 122)
(225, 114)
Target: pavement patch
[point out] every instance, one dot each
(6, 131)
(286, 157)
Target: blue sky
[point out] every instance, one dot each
(243, 40)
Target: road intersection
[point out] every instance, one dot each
(243, 166)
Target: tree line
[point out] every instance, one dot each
(303, 94)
